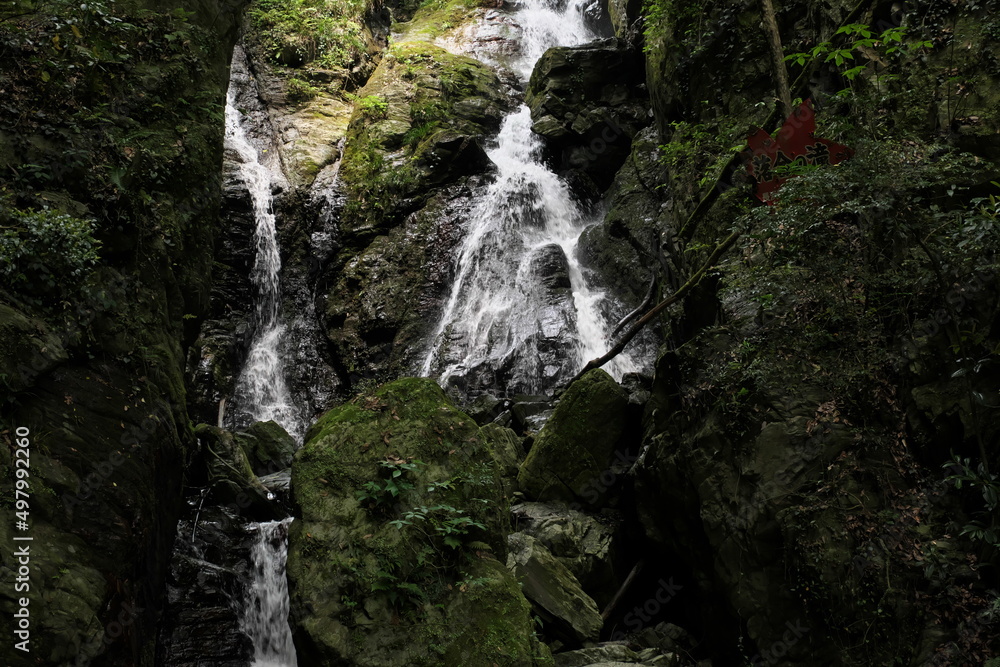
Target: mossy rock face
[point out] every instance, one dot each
(28, 348)
(624, 247)
(268, 447)
(576, 445)
(367, 592)
(413, 152)
(417, 124)
(132, 138)
(434, 21)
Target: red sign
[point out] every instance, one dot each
(795, 143)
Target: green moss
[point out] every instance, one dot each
(327, 33)
(346, 555)
(419, 88)
(436, 17)
(113, 114)
(576, 445)
(498, 626)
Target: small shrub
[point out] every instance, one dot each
(321, 31)
(45, 249)
(301, 91)
(371, 106)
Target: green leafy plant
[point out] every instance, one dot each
(444, 522)
(983, 527)
(371, 106)
(301, 91)
(41, 249)
(326, 32)
(399, 591)
(889, 42)
(393, 483)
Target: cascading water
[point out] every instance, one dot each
(266, 618)
(261, 391)
(261, 394)
(521, 313)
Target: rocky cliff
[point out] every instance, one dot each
(110, 154)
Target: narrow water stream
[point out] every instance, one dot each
(522, 313)
(261, 390)
(261, 394)
(266, 618)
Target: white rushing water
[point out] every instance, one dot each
(261, 391)
(266, 615)
(262, 394)
(511, 318)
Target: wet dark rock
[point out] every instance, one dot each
(589, 101)
(450, 155)
(530, 412)
(551, 267)
(568, 612)
(639, 388)
(603, 655)
(486, 408)
(385, 300)
(630, 247)
(583, 543)
(206, 592)
(278, 482)
(667, 637)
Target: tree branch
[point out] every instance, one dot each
(691, 283)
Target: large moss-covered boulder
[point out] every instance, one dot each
(395, 557)
(577, 444)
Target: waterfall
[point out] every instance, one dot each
(262, 394)
(261, 390)
(266, 616)
(522, 313)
